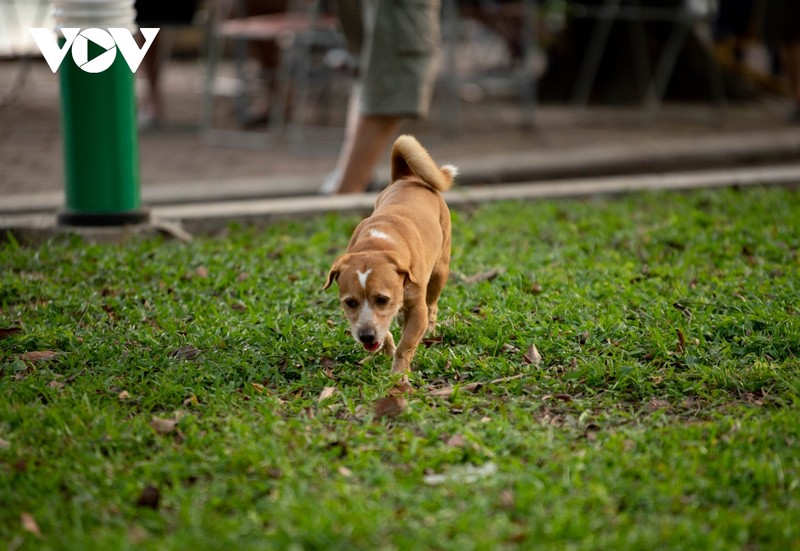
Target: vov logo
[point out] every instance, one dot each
(110, 40)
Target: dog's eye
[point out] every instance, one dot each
(351, 303)
(381, 300)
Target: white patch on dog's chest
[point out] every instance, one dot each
(380, 235)
(362, 277)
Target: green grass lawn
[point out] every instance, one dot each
(208, 395)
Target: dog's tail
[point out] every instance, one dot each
(410, 158)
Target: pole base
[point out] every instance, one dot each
(94, 219)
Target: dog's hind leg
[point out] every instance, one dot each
(435, 285)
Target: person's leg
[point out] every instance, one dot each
(361, 151)
(151, 107)
(397, 71)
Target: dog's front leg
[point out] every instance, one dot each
(416, 322)
(388, 344)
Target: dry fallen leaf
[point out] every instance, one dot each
(327, 368)
(184, 352)
(38, 355)
(326, 393)
(344, 471)
(455, 441)
(681, 342)
(150, 497)
(532, 356)
(124, 395)
(390, 406)
(447, 391)
(656, 404)
(201, 271)
(29, 524)
(482, 276)
(8, 331)
(682, 309)
(507, 499)
(163, 426)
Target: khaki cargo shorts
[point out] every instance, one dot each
(397, 45)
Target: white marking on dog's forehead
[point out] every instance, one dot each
(380, 235)
(362, 278)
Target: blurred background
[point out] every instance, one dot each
(250, 92)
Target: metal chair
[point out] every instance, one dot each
(463, 51)
(300, 33)
(682, 17)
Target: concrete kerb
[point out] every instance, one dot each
(742, 149)
(210, 218)
(184, 220)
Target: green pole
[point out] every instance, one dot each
(101, 148)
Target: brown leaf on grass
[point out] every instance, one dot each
(506, 499)
(326, 393)
(390, 406)
(447, 391)
(149, 498)
(38, 355)
(532, 356)
(455, 441)
(185, 352)
(6, 332)
(481, 276)
(656, 404)
(124, 395)
(29, 524)
(327, 367)
(430, 341)
(163, 426)
(201, 271)
(239, 306)
(681, 342)
(682, 309)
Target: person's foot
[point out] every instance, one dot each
(331, 184)
(148, 116)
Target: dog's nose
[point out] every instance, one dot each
(367, 337)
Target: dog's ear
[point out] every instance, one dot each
(334, 272)
(401, 267)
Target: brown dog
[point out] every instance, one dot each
(398, 259)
